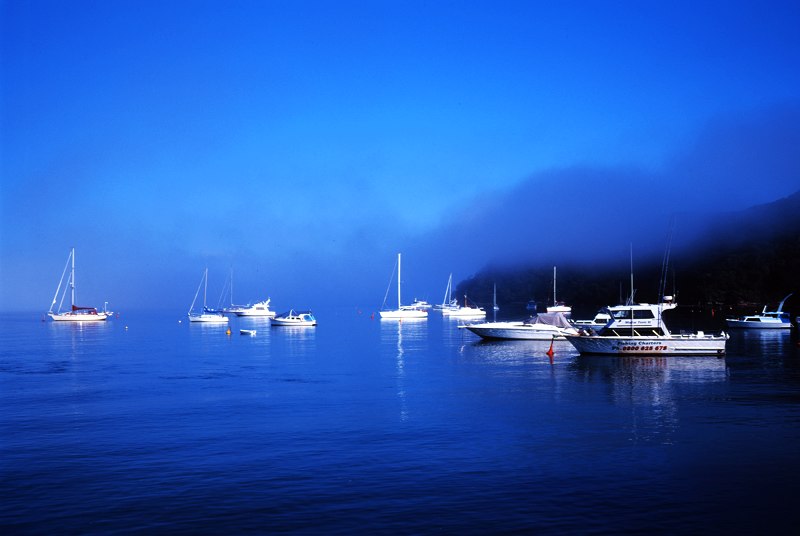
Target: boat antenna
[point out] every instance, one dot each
(630, 297)
(662, 284)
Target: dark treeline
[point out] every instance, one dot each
(739, 262)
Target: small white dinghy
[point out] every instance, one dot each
(250, 332)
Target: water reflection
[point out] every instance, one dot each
(649, 388)
(398, 335)
(520, 352)
(79, 337)
(652, 369)
(297, 342)
(760, 342)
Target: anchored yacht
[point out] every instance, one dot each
(639, 329)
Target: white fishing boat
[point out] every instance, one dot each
(558, 307)
(639, 329)
(464, 311)
(294, 318)
(257, 309)
(401, 312)
(541, 327)
(766, 320)
(207, 315)
(76, 313)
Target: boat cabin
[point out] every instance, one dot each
(639, 319)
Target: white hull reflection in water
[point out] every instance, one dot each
(659, 369)
(403, 341)
(523, 351)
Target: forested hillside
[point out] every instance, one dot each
(740, 261)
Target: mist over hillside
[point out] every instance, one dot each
(734, 260)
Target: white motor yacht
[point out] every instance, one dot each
(541, 327)
(639, 329)
(257, 309)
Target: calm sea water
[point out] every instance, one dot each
(145, 424)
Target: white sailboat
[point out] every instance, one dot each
(205, 316)
(76, 313)
(557, 307)
(448, 303)
(232, 308)
(466, 310)
(401, 312)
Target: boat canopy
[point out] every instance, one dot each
(551, 319)
(79, 308)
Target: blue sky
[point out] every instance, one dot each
(305, 143)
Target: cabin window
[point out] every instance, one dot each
(637, 313)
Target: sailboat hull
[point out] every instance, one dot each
(209, 318)
(78, 317)
(404, 313)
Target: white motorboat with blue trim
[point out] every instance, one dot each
(295, 318)
(766, 320)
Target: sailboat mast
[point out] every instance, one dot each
(555, 301)
(205, 288)
(398, 281)
(449, 289)
(72, 277)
